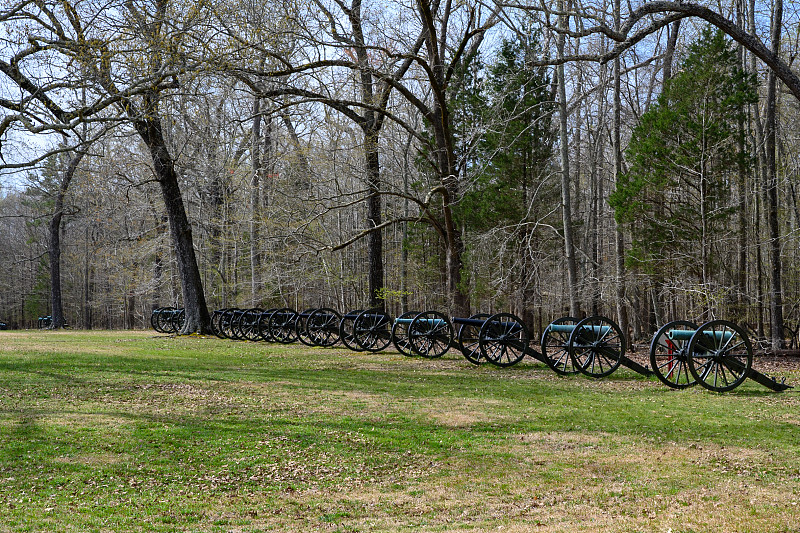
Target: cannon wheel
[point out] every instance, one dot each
(173, 320)
(371, 330)
(669, 358)
(596, 346)
(469, 340)
(323, 326)
(346, 330)
(555, 348)
(281, 325)
(249, 324)
(216, 323)
(164, 320)
(263, 324)
(400, 334)
(430, 334)
(235, 328)
(227, 322)
(153, 319)
(720, 355)
(179, 320)
(301, 327)
(503, 339)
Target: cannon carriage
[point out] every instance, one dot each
(717, 355)
(594, 346)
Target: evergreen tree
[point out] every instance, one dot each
(684, 160)
(516, 148)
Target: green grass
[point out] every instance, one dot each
(132, 431)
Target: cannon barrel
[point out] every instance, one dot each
(569, 328)
(686, 334)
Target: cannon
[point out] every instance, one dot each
(717, 355)
(300, 327)
(281, 325)
(228, 320)
(217, 317)
(595, 346)
(399, 333)
(358, 330)
(555, 346)
(247, 324)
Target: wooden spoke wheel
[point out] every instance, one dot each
(281, 325)
(227, 320)
(720, 355)
(263, 325)
(372, 330)
(469, 339)
(430, 334)
(555, 346)
(596, 346)
(248, 324)
(669, 354)
(346, 332)
(300, 327)
(400, 333)
(323, 326)
(503, 339)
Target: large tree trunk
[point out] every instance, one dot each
(454, 243)
(371, 126)
(54, 246)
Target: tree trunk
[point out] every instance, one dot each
(776, 294)
(87, 283)
(54, 246)
(741, 193)
(375, 241)
(622, 314)
(194, 302)
(566, 202)
(669, 53)
(255, 203)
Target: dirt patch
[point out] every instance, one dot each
(93, 459)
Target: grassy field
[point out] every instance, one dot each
(132, 431)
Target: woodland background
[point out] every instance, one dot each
(544, 158)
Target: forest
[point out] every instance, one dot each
(572, 157)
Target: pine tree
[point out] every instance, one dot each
(683, 162)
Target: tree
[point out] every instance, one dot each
(54, 243)
(683, 156)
